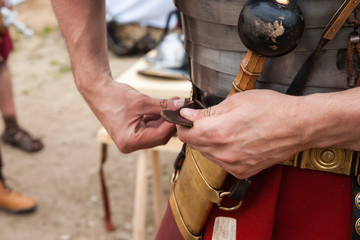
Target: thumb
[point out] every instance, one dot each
(194, 114)
(156, 105)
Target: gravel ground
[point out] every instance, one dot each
(63, 178)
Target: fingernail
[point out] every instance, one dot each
(179, 102)
(187, 112)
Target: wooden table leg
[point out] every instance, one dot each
(140, 197)
(156, 187)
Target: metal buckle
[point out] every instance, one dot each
(222, 195)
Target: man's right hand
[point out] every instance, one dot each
(247, 132)
(132, 119)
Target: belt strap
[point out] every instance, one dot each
(328, 34)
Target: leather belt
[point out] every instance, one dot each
(332, 160)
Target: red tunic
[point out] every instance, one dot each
(6, 46)
(286, 203)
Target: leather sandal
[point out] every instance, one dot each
(23, 140)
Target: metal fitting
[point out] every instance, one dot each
(354, 37)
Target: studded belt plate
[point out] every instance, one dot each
(333, 160)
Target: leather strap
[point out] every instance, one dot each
(106, 204)
(239, 188)
(299, 81)
(175, 117)
(180, 158)
(328, 34)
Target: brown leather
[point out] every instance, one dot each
(104, 191)
(175, 117)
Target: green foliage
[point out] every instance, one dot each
(46, 30)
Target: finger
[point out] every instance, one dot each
(155, 122)
(156, 105)
(144, 137)
(194, 114)
(149, 118)
(157, 133)
(207, 151)
(190, 135)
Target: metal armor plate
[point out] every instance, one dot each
(215, 49)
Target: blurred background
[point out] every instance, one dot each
(64, 178)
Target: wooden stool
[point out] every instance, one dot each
(140, 199)
(159, 87)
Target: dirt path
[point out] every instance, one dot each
(64, 177)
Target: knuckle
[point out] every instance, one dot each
(207, 112)
(163, 141)
(123, 146)
(241, 172)
(226, 158)
(163, 103)
(216, 136)
(140, 102)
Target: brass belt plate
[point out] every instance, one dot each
(333, 160)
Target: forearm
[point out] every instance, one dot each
(331, 119)
(82, 23)
(132, 119)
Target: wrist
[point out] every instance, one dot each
(329, 119)
(90, 83)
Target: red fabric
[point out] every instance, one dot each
(308, 205)
(6, 46)
(168, 228)
(256, 215)
(286, 203)
(314, 205)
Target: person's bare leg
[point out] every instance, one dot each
(7, 102)
(13, 133)
(7, 105)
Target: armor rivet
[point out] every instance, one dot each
(328, 155)
(357, 201)
(351, 81)
(357, 226)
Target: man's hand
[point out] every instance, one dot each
(247, 132)
(132, 119)
(255, 129)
